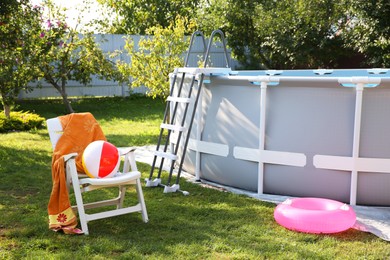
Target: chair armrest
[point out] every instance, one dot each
(70, 163)
(128, 153)
(67, 157)
(126, 150)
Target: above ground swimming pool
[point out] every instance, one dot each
(301, 133)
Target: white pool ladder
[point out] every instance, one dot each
(174, 123)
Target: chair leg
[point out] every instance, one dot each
(121, 197)
(71, 167)
(141, 201)
(81, 211)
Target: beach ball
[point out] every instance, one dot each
(100, 159)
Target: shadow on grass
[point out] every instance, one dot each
(132, 139)
(25, 187)
(108, 108)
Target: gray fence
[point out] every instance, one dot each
(105, 88)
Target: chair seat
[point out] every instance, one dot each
(122, 178)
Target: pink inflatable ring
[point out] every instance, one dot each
(315, 215)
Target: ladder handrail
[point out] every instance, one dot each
(196, 33)
(209, 47)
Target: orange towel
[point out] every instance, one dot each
(79, 129)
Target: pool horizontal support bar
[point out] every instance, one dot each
(208, 147)
(344, 163)
(271, 157)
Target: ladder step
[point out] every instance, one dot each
(173, 127)
(169, 156)
(179, 99)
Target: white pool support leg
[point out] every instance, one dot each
(356, 140)
(171, 108)
(198, 134)
(263, 99)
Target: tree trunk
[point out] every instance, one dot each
(7, 111)
(67, 102)
(64, 95)
(6, 106)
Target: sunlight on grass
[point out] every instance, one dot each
(207, 224)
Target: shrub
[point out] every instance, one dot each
(20, 121)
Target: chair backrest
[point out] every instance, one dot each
(55, 130)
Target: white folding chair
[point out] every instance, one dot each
(82, 183)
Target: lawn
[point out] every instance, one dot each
(207, 224)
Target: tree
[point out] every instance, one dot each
(156, 57)
(235, 19)
(282, 34)
(301, 34)
(63, 55)
(289, 34)
(19, 23)
(7, 6)
(369, 30)
(136, 16)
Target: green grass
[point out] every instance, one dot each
(207, 224)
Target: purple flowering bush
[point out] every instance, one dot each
(64, 54)
(37, 44)
(19, 25)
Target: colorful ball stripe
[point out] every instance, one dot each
(101, 159)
